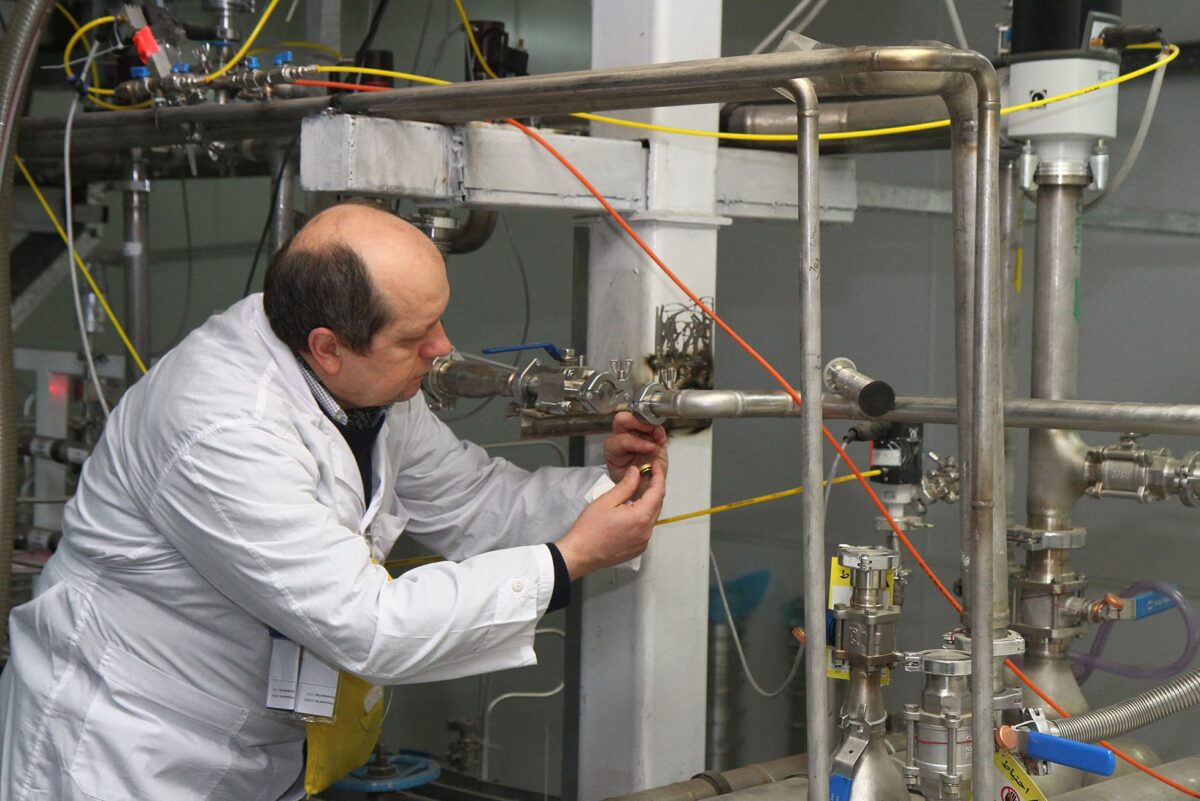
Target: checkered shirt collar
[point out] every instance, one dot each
(354, 418)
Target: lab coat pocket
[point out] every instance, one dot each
(148, 735)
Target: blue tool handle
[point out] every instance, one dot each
(1084, 756)
(1151, 603)
(549, 347)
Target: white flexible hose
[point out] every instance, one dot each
(70, 225)
(1139, 139)
(960, 35)
(782, 27)
(737, 640)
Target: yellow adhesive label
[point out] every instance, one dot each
(839, 593)
(1012, 782)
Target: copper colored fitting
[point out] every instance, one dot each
(1006, 738)
(799, 636)
(1114, 601)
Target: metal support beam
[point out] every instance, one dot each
(484, 166)
(643, 635)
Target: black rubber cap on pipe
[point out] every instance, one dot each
(877, 399)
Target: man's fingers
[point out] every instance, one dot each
(655, 491)
(633, 443)
(625, 421)
(625, 489)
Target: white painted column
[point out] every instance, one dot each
(644, 635)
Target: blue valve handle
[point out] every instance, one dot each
(1151, 603)
(549, 347)
(1084, 756)
(411, 771)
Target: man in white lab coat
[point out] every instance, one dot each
(253, 481)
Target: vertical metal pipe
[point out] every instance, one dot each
(988, 607)
(283, 164)
(812, 504)
(1012, 226)
(1054, 486)
(136, 251)
(964, 145)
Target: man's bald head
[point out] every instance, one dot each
(353, 268)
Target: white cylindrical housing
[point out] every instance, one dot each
(1074, 123)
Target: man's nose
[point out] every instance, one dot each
(439, 344)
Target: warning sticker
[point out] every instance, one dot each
(1012, 782)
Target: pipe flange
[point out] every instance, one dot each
(640, 405)
(1189, 479)
(1009, 698)
(602, 394)
(1063, 172)
(1010, 644)
(867, 557)
(1040, 539)
(939, 662)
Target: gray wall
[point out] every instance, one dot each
(887, 293)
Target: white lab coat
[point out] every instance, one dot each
(221, 501)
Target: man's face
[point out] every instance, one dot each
(409, 275)
(400, 355)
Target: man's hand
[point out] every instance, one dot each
(615, 527)
(634, 443)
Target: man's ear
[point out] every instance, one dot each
(325, 349)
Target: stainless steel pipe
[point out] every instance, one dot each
(1077, 415)
(711, 784)
(135, 250)
(284, 166)
(1054, 483)
(1012, 226)
(780, 118)
(897, 71)
(988, 611)
(812, 504)
(673, 84)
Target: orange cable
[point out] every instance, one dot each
(797, 400)
(749, 349)
(354, 87)
(828, 436)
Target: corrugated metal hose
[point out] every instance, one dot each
(1141, 710)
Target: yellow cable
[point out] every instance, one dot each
(93, 91)
(245, 48)
(404, 76)
(774, 496)
(80, 32)
(417, 561)
(86, 44)
(79, 261)
(466, 21)
(114, 107)
(1173, 53)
